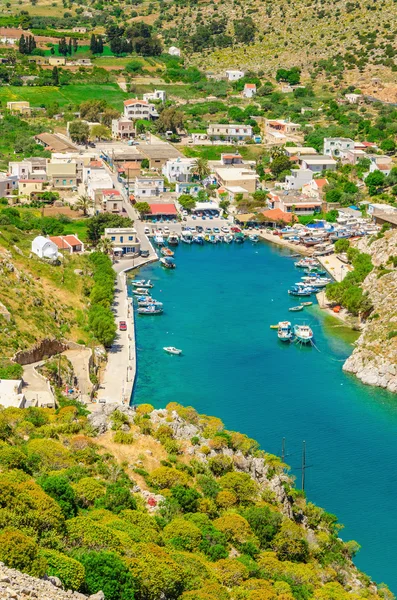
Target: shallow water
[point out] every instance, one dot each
(219, 303)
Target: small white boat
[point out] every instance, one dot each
(142, 283)
(173, 239)
(141, 291)
(284, 332)
(151, 309)
(228, 238)
(159, 240)
(303, 334)
(172, 350)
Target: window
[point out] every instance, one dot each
(71, 181)
(64, 182)
(130, 238)
(113, 238)
(121, 238)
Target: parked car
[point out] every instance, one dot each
(225, 229)
(199, 229)
(216, 230)
(144, 253)
(166, 229)
(123, 326)
(146, 230)
(208, 230)
(185, 213)
(236, 229)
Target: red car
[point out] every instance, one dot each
(123, 326)
(236, 229)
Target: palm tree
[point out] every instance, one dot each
(84, 203)
(105, 245)
(201, 167)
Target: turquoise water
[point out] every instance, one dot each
(219, 303)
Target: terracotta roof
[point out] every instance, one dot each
(250, 86)
(132, 164)
(111, 193)
(276, 214)
(384, 167)
(135, 101)
(96, 163)
(163, 209)
(321, 183)
(368, 144)
(63, 241)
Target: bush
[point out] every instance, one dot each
(235, 528)
(17, 551)
(117, 498)
(106, 571)
(166, 477)
(123, 437)
(182, 535)
(70, 571)
(60, 489)
(241, 484)
(88, 490)
(230, 572)
(265, 523)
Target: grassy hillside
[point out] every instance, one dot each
(145, 504)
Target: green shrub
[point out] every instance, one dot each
(17, 551)
(70, 571)
(123, 437)
(106, 571)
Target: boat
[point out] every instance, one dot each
(150, 310)
(296, 290)
(303, 334)
(167, 262)
(212, 239)
(173, 239)
(228, 238)
(253, 237)
(306, 303)
(318, 282)
(239, 238)
(284, 332)
(274, 326)
(150, 302)
(158, 239)
(141, 283)
(166, 251)
(186, 237)
(296, 308)
(172, 350)
(141, 292)
(304, 263)
(198, 239)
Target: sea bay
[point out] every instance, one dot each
(219, 304)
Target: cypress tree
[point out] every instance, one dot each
(94, 44)
(99, 45)
(70, 46)
(55, 76)
(22, 45)
(63, 47)
(75, 45)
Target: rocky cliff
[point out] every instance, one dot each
(374, 360)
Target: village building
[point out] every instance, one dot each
(159, 95)
(174, 51)
(337, 146)
(68, 243)
(291, 151)
(241, 177)
(112, 201)
(124, 240)
(44, 248)
(97, 180)
(280, 128)
(30, 187)
(191, 188)
(297, 179)
(123, 128)
(293, 202)
(317, 163)
(55, 142)
(380, 163)
(139, 109)
(315, 188)
(20, 106)
(230, 193)
(234, 74)
(355, 155)
(249, 90)
(11, 394)
(353, 98)
(62, 175)
(147, 187)
(8, 183)
(159, 154)
(56, 61)
(162, 210)
(229, 132)
(179, 169)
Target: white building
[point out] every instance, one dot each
(229, 133)
(318, 163)
(156, 95)
(298, 178)
(44, 248)
(234, 75)
(8, 183)
(11, 394)
(174, 51)
(353, 98)
(385, 208)
(179, 169)
(337, 146)
(249, 90)
(148, 187)
(96, 181)
(139, 109)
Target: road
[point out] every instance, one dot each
(35, 387)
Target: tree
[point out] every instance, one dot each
(241, 484)
(79, 131)
(100, 132)
(93, 44)
(59, 488)
(63, 46)
(55, 76)
(117, 498)
(182, 535)
(22, 45)
(171, 119)
(105, 245)
(374, 181)
(143, 208)
(84, 203)
(70, 571)
(202, 168)
(106, 572)
(75, 45)
(186, 497)
(108, 115)
(264, 522)
(280, 164)
(187, 202)
(17, 551)
(342, 245)
(97, 225)
(388, 146)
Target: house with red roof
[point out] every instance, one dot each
(274, 216)
(162, 210)
(68, 243)
(139, 109)
(249, 90)
(294, 202)
(112, 201)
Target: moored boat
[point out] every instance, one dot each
(186, 237)
(306, 303)
(198, 239)
(166, 251)
(228, 238)
(167, 262)
(141, 283)
(141, 291)
(239, 238)
(158, 239)
(150, 302)
(150, 310)
(274, 326)
(296, 290)
(284, 331)
(173, 239)
(253, 237)
(303, 334)
(172, 350)
(296, 308)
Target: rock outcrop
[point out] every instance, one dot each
(374, 359)
(15, 585)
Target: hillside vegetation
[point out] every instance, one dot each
(162, 503)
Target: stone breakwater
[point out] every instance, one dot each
(374, 359)
(15, 585)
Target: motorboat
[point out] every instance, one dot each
(274, 326)
(167, 262)
(296, 308)
(284, 331)
(172, 350)
(228, 238)
(304, 263)
(318, 282)
(173, 239)
(253, 237)
(212, 239)
(141, 291)
(198, 239)
(141, 283)
(150, 302)
(303, 334)
(158, 239)
(166, 251)
(152, 309)
(239, 238)
(306, 303)
(296, 290)
(187, 237)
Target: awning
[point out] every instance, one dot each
(117, 250)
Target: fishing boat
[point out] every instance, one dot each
(305, 262)
(166, 251)
(284, 332)
(186, 237)
(253, 237)
(303, 334)
(239, 238)
(212, 239)
(296, 290)
(296, 308)
(141, 292)
(318, 282)
(307, 286)
(306, 303)
(172, 350)
(150, 302)
(141, 283)
(173, 239)
(228, 238)
(158, 239)
(168, 262)
(198, 239)
(150, 310)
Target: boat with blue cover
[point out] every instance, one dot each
(167, 262)
(296, 290)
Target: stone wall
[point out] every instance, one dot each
(44, 349)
